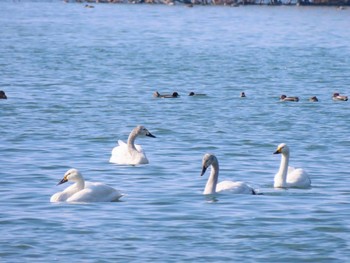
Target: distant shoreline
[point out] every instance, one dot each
(340, 4)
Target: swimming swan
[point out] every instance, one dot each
(131, 153)
(83, 191)
(288, 176)
(213, 186)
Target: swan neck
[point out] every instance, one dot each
(282, 173)
(80, 184)
(210, 187)
(131, 141)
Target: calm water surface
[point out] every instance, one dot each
(79, 79)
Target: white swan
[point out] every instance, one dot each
(131, 153)
(288, 176)
(83, 191)
(213, 186)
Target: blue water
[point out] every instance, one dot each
(79, 79)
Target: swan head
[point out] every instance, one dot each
(282, 149)
(72, 175)
(141, 130)
(208, 159)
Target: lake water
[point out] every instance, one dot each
(79, 79)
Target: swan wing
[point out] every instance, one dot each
(119, 152)
(121, 155)
(290, 169)
(96, 192)
(139, 157)
(121, 146)
(64, 195)
(139, 148)
(57, 197)
(234, 187)
(298, 178)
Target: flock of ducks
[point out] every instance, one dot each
(283, 97)
(336, 96)
(156, 94)
(132, 154)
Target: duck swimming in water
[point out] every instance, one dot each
(313, 99)
(337, 96)
(285, 98)
(3, 95)
(196, 94)
(242, 95)
(156, 94)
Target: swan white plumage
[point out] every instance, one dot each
(131, 153)
(213, 186)
(83, 191)
(287, 176)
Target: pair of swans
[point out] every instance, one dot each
(286, 177)
(83, 191)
